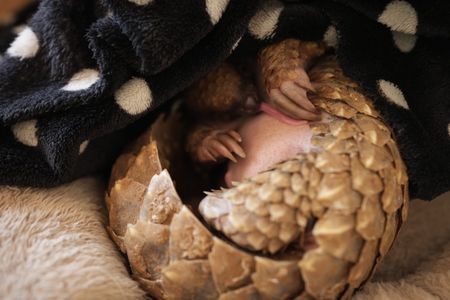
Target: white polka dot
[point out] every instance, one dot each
(141, 2)
(26, 45)
(331, 36)
(134, 96)
(405, 42)
(400, 16)
(82, 80)
(26, 132)
(83, 146)
(215, 9)
(264, 23)
(392, 93)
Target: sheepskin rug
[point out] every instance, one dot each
(53, 245)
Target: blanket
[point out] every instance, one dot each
(54, 245)
(79, 78)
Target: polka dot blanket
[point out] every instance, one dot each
(79, 78)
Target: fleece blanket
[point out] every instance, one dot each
(54, 245)
(81, 77)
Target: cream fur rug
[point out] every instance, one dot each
(53, 245)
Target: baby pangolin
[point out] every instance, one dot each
(311, 226)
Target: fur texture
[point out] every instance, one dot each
(53, 245)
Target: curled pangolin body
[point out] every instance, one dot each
(348, 198)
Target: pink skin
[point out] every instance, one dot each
(280, 116)
(267, 140)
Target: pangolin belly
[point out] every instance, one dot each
(267, 141)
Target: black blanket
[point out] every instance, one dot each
(79, 78)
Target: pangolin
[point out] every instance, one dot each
(312, 226)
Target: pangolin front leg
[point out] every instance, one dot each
(283, 77)
(213, 143)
